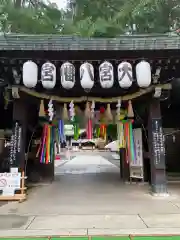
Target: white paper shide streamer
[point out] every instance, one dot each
(50, 110)
(118, 111)
(67, 75)
(106, 74)
(30, 74)
(71, 110)
(118, 106)
(48, 75)
(92, 108)
(143, 74)
(125, 76)
(87, 76)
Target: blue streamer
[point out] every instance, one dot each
(61, 131)
(59, 128)
(132, 143)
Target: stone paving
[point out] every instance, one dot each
(91, 203)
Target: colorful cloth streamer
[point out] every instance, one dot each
(103, 131)
(61, 131)
(76, 131)
(52, 138)
(43, 143)
(120, 131)
(97, 132)
(89, 130)
(47, 150)
(47, 145)
(126, 134)
(132, 146)
(76, 128)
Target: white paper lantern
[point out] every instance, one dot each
(48, 75)
(67, 75)
(125, 76)
(30, 74)
(106, 75)
(87, 76)
(143, 74)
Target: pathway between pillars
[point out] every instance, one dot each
(93, 203)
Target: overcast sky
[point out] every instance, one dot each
(60, 3)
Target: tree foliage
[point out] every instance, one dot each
(151, 16)
(30, 16)
(132, 16)
(102, 18)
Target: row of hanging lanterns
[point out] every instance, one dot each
(106, 75)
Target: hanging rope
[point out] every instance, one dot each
(65, 113)
(96, 99)
(108, 113)
(41, 109)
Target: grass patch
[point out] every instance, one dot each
(98, 238)
(157, 238)
(111, 238)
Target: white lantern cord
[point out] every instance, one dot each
(118, 106)
(92, 108)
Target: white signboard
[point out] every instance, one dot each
(138, 147)
(9, 182)
(69, 130)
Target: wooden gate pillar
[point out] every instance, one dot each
(156, 149)
(18, 138)
(124, 166)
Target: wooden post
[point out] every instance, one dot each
(124, 166)
(17, 155)
(17, 150)
(156, 149)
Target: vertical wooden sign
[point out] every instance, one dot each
(16, 144)
(158, 146)
(156, 149)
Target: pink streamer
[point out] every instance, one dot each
(89, 132)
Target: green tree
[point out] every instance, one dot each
(113, 17)
(102, 18)
(150, 16)
(30, 16)
(94, 18)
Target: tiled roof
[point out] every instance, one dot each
(58, 42)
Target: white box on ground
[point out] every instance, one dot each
(9, 182)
